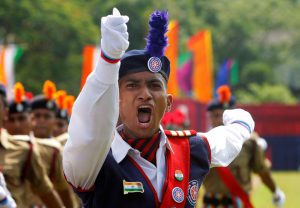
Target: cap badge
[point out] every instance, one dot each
(49, 105)
(63, 113)
(19, 107)
(154, 64)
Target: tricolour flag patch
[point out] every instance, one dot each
(132, 187)
(178, 175)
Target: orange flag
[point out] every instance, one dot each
(2, 66)
(201, 47)
(172, 54)
(90, 56)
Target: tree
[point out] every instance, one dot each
(265, 93)
(53, 34)
(256, 72)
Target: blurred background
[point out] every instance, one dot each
(252, 46)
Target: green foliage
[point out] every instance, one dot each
(53, 34)
(256, 72)
(261, 35)
(265, 93)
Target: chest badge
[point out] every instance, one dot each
(132, 187)
(178, 194)
(178, 175)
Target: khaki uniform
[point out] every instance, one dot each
(62, 139)
(20, 162)
(251, 159)
(51, 154)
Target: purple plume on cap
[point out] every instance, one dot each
(156, 40)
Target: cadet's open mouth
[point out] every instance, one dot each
(144, 114)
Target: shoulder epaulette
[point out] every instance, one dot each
(183, 133)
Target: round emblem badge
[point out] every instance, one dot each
(154, 64)
(193, 192)
(20, 107)
(177, 194)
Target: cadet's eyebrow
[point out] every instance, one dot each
(132, 80)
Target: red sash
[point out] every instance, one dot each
(233, 186)
(175, 191)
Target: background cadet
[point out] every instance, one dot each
(22, 160)
(6, 200)
(230, 186)
(62, 117)
(65, 104)
(43, 110)
(60, 131)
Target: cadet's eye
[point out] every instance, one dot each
(131, 85)
(37, 115)
(156, 85)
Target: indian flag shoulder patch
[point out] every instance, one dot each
(132, 187)
(178, 175)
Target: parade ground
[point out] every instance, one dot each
(289, 181)
(261, 196)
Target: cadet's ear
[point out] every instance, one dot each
(169, 102)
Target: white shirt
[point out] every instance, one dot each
(92, 133)
(156, 175)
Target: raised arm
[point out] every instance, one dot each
(226, 141)
(96, 109)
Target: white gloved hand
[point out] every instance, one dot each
(239, 116)
(114, 40)
(278, 198)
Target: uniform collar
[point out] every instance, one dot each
(120, 148)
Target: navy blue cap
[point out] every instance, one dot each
(62, 114)
(217, 104)
(41, 102)
(140, 60)
(2, 90)
(21, 107)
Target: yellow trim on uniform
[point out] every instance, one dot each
(187, 133)
(174, 133)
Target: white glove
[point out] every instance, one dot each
(114, 41)
(278, 198)
(262, 143)
(239, 116)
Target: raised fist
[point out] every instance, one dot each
(114, 40)
(239, 116)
